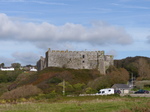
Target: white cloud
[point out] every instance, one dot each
(26, 57)
(48, 3)
(112, 52)
(130, 6)
(148, 39)
(34, 1)
(6, 61)
(11, 0)
(136, 7)
(43, 34)
(102, 10)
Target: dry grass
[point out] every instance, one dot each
(137, 108)
(82, 104)
(21, 92)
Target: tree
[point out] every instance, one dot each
(114, 76)
(16, 65)
(2, 65)
(29, 66)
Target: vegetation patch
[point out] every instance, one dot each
(82, 104)
(21, 92)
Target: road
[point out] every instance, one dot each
(136, 95)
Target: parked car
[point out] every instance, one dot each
(117, 92)
(141, 91)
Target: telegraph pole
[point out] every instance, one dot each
(63, 87)
(132, 80)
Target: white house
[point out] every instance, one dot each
(7, 69)
(33, 69)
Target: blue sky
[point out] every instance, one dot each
(29, 27)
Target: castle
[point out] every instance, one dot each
(76, 60)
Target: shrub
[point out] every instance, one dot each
(21, 100)
(21, 92)
(2, 101)
(54, 80)
(90, 90)
(68, 88)
(79, 86)
(50, 95)
(114, 75)
(9, 76)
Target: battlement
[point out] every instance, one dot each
(76, 60)
(49, 50)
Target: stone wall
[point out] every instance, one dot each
(76, 60)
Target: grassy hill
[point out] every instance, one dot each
(51, 79)
(51, 82)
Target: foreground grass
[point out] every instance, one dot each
(78, 104)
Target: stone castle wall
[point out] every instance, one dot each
(76, 60)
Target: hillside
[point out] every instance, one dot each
(51, 79)
(76, 81)
(138, 66)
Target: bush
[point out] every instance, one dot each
(54, 80)
(22, 92)
(90, 90)
(2, 101)
(114, 75)
(79, 86)
(50, 95)
(9, 76)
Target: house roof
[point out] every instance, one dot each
(124, 86)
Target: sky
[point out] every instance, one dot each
(29, 27)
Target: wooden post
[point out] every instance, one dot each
(63, 87)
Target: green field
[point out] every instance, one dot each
(81, 104)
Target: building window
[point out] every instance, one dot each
(83, 56)
(82, 61)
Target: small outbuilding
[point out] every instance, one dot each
(124, 88)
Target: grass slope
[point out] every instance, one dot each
(49, 78)
(83, 104)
